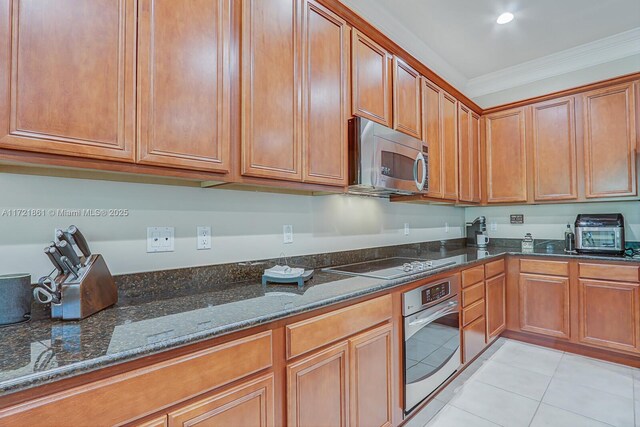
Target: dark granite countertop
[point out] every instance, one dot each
(43, 351)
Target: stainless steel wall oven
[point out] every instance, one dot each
(431, 338)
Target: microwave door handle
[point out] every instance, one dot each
(452, 307)
(420, 160)
(425, 173)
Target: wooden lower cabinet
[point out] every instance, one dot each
(609, 314)
(473, 339)
(318, 388)
(250, 404)
(495, 301)
(156, 422)
(371, 378)
(349, 383)
(544, 305)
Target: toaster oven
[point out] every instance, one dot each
(600, 234)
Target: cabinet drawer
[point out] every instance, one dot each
(539, 266)
(622, 273)
(472, 276)
(316, 332)
(493, 268)
(472, 312)
(472, 294)
(129, 395)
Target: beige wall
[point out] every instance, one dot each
(245, 225)
(550, 221)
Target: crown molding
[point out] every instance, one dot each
(390, 26)
(601, 51)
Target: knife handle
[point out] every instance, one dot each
(81, 242)
(72, 268)
(67, 251)
(53, 259)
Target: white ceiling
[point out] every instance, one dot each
(460, 40)
(465, 33)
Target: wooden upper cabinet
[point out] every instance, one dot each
(506, 158)
(554, 150)
(468, 155)
(318, 389)
(407, 102)
(371, 378)
(449, 133)
(271, 111)
(183, 84)
(544, 305)
(431, 134)
(610, 142)
(609, 314)
(325, 71)
(72, 67)
(249, 404)
(371, 79)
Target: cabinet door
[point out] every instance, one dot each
(325, 75)
(496, 290)
(249, 405)
(371, 378)
(318, 389)
(450, 146)
(183, 82)
(544, 305)
(609, 314)
(506, 157)
(609, 142)
(554, 150)
(156, 422)
(371, 79)
(72, 68)
(407, 108)
(473, 339)
(476, 177)
(431, 134)
(271, 115)
(468, 155)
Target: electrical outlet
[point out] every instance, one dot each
(493, 226)
(446, 227)
(204, 237)
(406, 228)
(160, 239)
(287, 231)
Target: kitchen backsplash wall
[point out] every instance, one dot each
(550, 221)
(245, 225)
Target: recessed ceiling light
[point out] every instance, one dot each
(505, 18)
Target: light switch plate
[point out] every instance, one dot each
(160, 239)
(287, 232)
(204, 237)
(406, 228)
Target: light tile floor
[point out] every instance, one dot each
(514, 384)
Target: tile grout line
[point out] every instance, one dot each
(547, 388)
(579, 385)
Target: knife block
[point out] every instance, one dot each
(93, 291)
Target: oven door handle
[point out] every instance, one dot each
(452, 307)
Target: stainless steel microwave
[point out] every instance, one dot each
(383, 161)
(600, 233)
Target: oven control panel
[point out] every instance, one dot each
(429, 295)
(435, 293)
